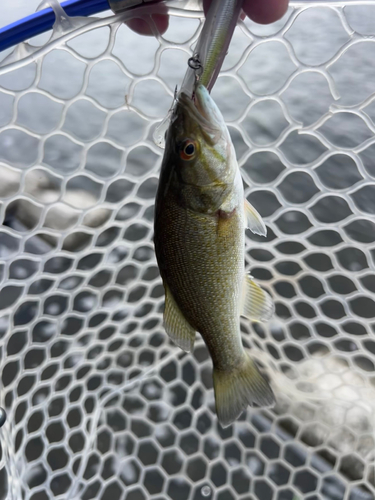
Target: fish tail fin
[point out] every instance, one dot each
(239, 387)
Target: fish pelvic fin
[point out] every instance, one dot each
(238, 388)
(257, 305)
(175, 324)
(254, 221)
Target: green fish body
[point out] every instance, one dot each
(200, 219)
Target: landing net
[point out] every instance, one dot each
(100, 404)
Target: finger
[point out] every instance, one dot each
(142, 27)
(265, 11)
(260, 11)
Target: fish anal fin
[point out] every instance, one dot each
(175, 324)
(238, 388)
(254, 221)
(257, 305)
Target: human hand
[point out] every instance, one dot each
(260, 11)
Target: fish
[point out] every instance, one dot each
(199, 235)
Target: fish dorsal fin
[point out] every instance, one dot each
(254, 221)
(257, 305)
(176, 326)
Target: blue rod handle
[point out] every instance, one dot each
(42, 21)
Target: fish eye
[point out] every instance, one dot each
(187, 151)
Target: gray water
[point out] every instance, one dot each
(265, 72)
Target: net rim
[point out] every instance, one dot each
(43, 20)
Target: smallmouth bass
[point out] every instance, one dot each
(200, 220)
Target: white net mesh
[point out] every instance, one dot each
(100, 404)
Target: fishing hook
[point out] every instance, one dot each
(195, 64)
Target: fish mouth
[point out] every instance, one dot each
(207, 107)
(198, 109)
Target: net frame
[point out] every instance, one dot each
(318, 377)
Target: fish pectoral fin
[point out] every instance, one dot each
(257, 305)
(175, 324)
(254, 221)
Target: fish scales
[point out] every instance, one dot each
(204, 273)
